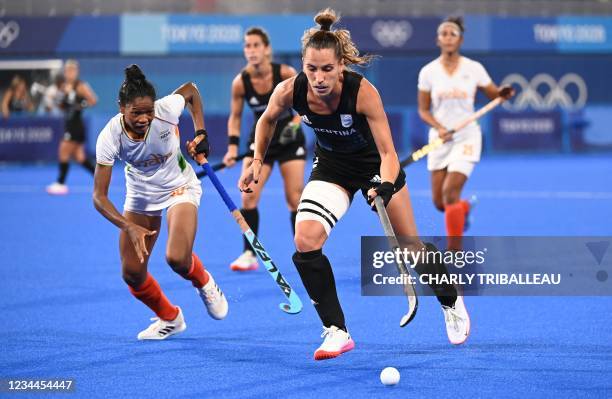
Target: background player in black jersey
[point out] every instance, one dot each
(354, 152)
(77, 95)
(254, 85)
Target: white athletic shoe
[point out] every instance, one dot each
(162, 329)
(336, 342)
(457, 322)
(245, 262)
(57, 189)
(215, 301)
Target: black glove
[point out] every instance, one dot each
(203, 146)
(506, 92)
(83, 104)
(384, 191)
(289, 134)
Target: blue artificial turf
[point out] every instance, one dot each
(67, 314)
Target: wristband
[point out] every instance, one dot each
(234, 140)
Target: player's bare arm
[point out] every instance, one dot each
(280, 101)
(234, 120)
(370, 104)
(492, 91)
(102, 203)
(288, 72)
(194, 103)
(424, 100)
(88, 94)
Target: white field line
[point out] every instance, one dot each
(418, 193)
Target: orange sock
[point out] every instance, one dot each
(150, 294)
(454, 214)
(197, 274)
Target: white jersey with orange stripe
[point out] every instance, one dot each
(154, 165)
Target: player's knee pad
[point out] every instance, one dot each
(323, 202)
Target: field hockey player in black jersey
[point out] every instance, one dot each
(354, 152)
(254, 86)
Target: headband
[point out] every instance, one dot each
(451, 25)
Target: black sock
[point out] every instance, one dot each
(251, 216)
(293, 216)
(318, 279)
(89, 166)
(446, 293)
(63, 171)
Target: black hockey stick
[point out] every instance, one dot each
(413, 300)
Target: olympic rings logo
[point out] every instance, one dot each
(8, 33)
(391, 33)
(544, 93)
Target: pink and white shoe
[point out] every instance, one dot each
(57, 189)
(457, 322)
(246, 261)
(336, 342)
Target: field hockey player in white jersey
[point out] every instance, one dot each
(145, 136)
(446, 92)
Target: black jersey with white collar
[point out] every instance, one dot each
(259, 102)
(345, 153)
(344, 132)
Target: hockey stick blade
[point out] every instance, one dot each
(413, 300)
(295, 304)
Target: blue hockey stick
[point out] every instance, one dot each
(295, 304)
